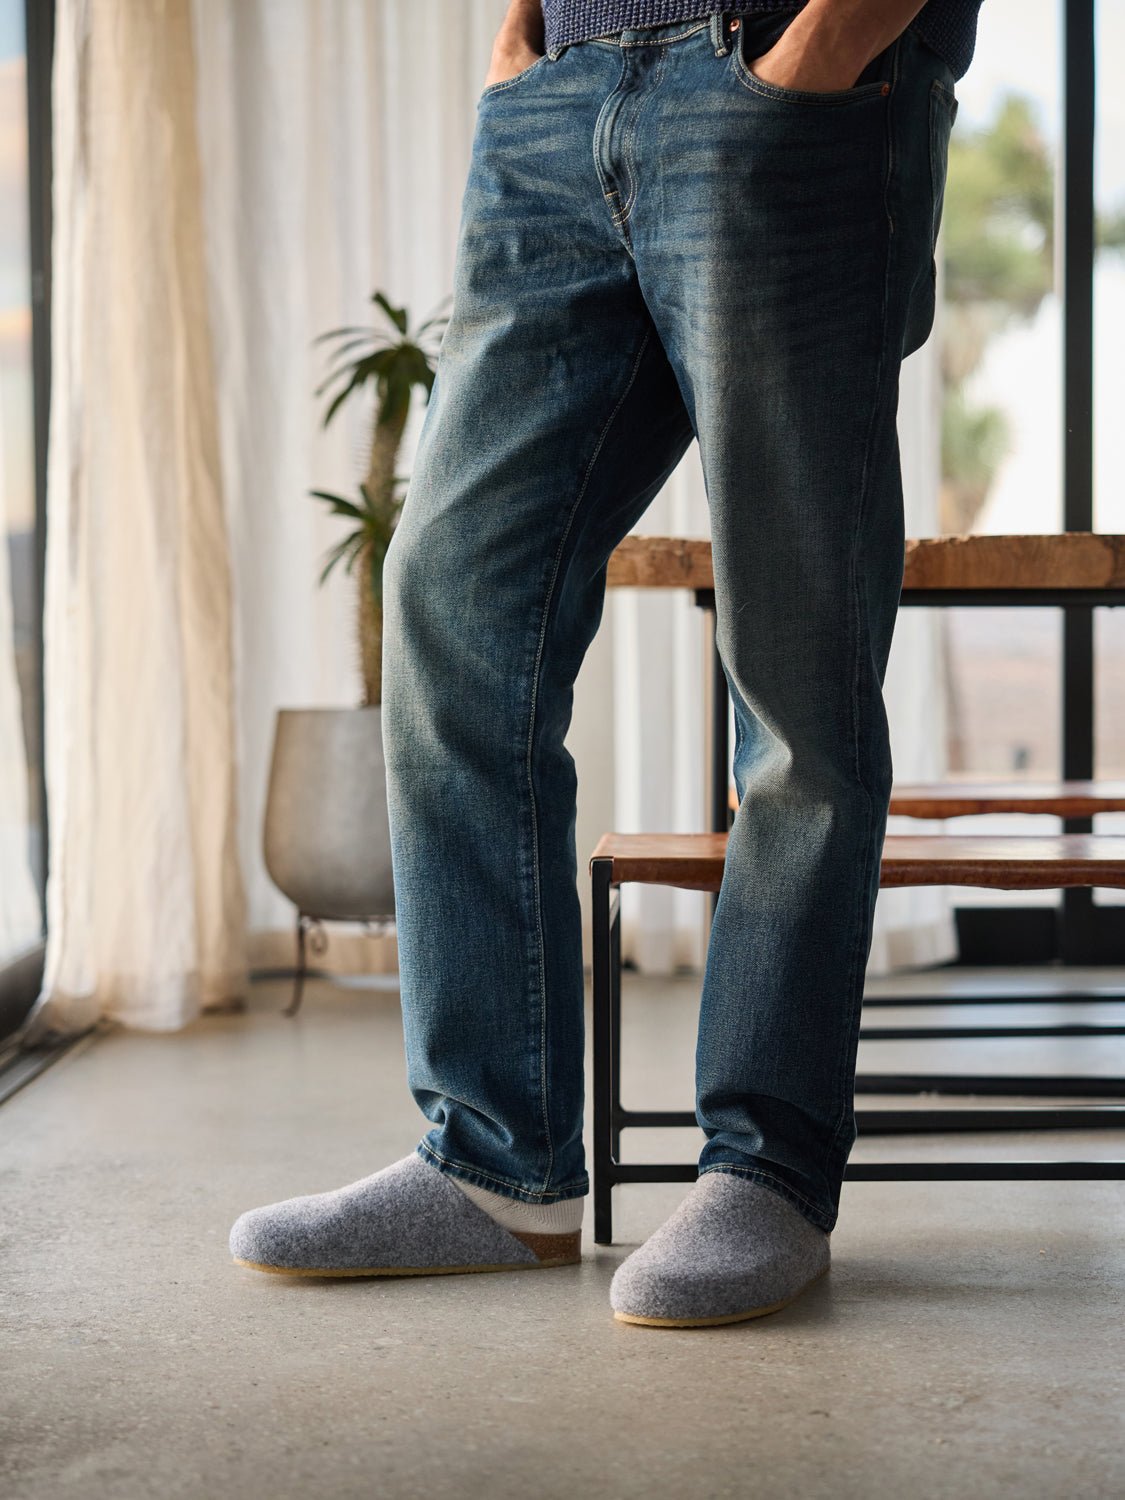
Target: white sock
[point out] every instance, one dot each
(563, 1217)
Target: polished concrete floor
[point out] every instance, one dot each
(968, 1342)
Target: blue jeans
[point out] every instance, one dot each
(657, 246)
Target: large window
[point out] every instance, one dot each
(1036, 693)
(1001, 331)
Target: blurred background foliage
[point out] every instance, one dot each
(999, 265)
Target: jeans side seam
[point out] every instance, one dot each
(536, 671)
(484, 1179)
(855, 970)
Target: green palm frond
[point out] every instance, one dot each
(394, 364)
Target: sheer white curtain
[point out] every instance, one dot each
(335, 137)
(145, 902)
(232, 181)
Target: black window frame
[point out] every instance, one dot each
(21, 974)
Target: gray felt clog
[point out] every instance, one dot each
(732, 1250)
(408, 1219)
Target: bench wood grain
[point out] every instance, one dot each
(1069, 560)
(694, 861)
(956, 799)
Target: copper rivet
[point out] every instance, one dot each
(885, 89)
(734, 25)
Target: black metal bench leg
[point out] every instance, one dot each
(615, 1031)
(601, 871)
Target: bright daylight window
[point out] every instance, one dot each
(1002, 365)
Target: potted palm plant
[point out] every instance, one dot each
(326, 842)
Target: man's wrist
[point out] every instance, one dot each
(837, 29)
(522, 26)
(855, 31)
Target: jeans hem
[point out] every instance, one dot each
(500, 1185)
(815, 1216)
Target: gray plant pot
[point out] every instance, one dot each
(326, 839)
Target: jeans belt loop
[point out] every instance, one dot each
(721, 36)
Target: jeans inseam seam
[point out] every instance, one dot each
(531, 748)
(783, 1187)
(578, 1189)
(855, 976)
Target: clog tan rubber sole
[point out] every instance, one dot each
(526, 1265)
(738, 1317)
(548, 1249)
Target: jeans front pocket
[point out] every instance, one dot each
(508, 83)
(751, 43)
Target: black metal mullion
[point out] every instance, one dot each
(21, 976)
(39, 23)
(1076, 248)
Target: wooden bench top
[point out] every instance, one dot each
(694, 861)
(1064, 799)
(953, 799)
(1069, 560)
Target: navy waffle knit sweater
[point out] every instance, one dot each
(948, 26)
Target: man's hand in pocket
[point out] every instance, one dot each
(828, 44)
(519, 42)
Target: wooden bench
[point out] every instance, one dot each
(1061, 568)
(1069, 568)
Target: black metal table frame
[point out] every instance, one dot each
(611, 1117)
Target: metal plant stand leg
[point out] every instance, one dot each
(311, 937)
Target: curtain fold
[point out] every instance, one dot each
(146, 912)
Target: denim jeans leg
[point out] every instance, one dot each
(783, 243)
(554, 419)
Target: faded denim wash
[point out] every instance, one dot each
(655, 245)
